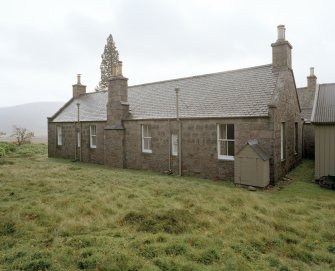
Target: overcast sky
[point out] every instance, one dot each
(44, 44)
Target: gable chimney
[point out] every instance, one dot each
(117, 106)
(311, 79)
(117, 111)
(78, 89)
(281, 50)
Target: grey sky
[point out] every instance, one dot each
(44, 44)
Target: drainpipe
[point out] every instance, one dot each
(169, 148)
(75, 141)
(179, 130)
(79, 127)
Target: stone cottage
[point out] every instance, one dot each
(188, 126)
(306, 98)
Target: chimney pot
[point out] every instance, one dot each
(117, 69)
(78, 79)
(311, 69)
(78, 89)
(281, 32)
(311, 79)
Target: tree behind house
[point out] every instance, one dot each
(22, 135)
(109, 57)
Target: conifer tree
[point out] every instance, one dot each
(109, 57)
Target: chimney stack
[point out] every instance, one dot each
(117, 105)
(78, 89)
(281, 50)
(311, 79)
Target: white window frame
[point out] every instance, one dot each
(174, 145)
(222, 139)
(78, 139)
(148, 138)
(93, 136)
(282, 142)
(296, 138)
(59, 134)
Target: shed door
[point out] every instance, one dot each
(249, 174)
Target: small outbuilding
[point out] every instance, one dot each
(252, 165)
(323, 119)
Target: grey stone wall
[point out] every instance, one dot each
(68, 148)
(286, 110)
(199, 145)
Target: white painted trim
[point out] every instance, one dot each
(59, 134)
(282, 138)
(148, 137)
(218, 140)
(91, 135)
(226, 157)
(174, 145)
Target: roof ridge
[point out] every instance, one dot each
(93, 92)
(201, 75)
(324, 84)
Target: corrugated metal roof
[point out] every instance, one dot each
(324, 107)
(239, 93)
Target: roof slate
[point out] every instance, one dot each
(324, 107)
(238, 93)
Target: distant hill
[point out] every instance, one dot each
(32, 116)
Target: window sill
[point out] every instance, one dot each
(226, 158)
(93, 147)
(282, 160)
(146, 151)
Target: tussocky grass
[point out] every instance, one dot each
(59, 215)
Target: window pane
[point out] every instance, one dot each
(222, 134)
(78, 139)
(223, 147)
(230, 131)
(149, 143)
(93, 130)
(146, 131)
(174, 145)
(231, 148)
(94, 141)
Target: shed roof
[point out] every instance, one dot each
(324, 105)
(238, 93)
(253, 143)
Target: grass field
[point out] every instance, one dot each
(59, 215)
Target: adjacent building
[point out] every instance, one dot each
(189, 126)
(323, 120)
(306, 99)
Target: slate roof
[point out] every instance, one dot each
(306, 100)
(324, 105)
(238, 93)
